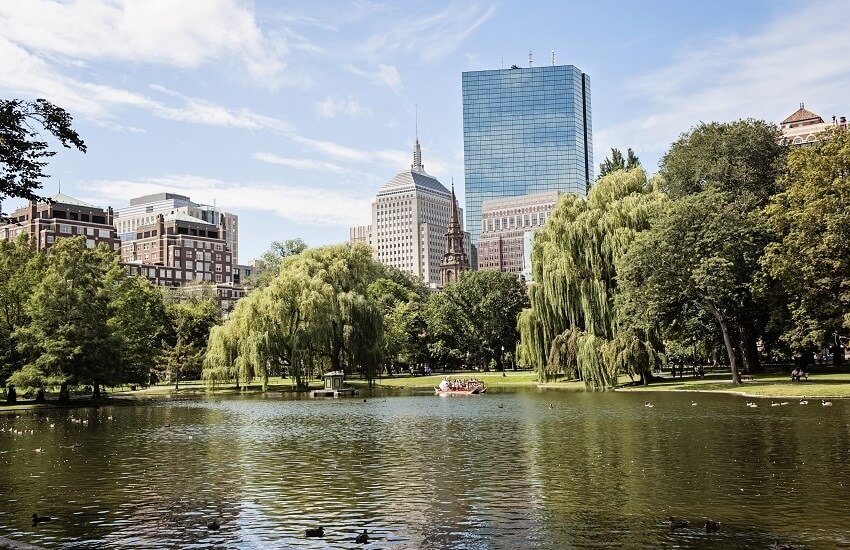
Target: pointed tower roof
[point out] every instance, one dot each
(453, 221)
(416, 177)
(417, 165)
(803, 115)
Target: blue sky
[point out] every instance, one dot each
(292, 114)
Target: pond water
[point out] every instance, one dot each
(532, 469)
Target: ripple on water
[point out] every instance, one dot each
(502, 470)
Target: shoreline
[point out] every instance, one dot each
(822, 386)
(731, 392)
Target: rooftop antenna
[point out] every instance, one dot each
(553, 58)
(416, 119)
(502, 63)
(60, 181)
(530, 60)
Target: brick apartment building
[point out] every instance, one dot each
(177, 249)
(61, 216)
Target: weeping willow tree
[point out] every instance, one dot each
(573, 326)
(316, 313)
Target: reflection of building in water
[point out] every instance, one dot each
(803, 126)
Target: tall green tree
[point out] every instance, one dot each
(140, 325)
(617, 162)
(811, 256)
(23, 151)
(191, 317)
(474, 320)
(743, 160)
(315, 315)
(404, 341)
(701, 253)
(21, 268)
(68, 340)
(572, 326)
(271, 260)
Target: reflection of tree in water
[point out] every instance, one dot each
(423, 471)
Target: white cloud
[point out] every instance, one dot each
(188, 34)
(386, 75)
(798, 57)
(300, 204)
(29, 75)
(331, 108)
(434, 36)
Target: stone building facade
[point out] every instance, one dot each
(505, 227)
(455, 259)
(410, 215)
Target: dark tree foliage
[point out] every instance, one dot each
(742, 157)
(617, 162)
(23, 151)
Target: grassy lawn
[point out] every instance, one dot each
(765, 385)
(834, 385)
(490, 379)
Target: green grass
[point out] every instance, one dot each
(765, 385)
(490, 379)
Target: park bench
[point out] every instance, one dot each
(746, 378)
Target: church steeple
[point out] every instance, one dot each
(455, 261)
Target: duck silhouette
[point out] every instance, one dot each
(677, 523)
(826, 403)
(214, 526)
(362, 538)
(315, 532)
(711, 526)
(36, 519)
(648, 404)
(781, 546)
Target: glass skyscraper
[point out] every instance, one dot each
(525, 130)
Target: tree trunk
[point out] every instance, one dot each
(11, 395)
(727, 340)
(64, 393)
(749, 347)
(96, 393)
(39, 396)
(837, 356)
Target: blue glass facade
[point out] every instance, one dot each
(525, 130)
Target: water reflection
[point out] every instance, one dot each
(525, 470)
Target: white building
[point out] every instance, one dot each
(803, 126)
(410, 216)
(143, 211)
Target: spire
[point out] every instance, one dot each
(417, 165)
(454, 221)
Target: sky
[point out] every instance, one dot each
(293, 114)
